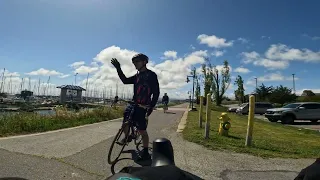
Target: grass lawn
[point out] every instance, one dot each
(25, 123)
(269, 139)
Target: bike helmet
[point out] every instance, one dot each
(140, 56)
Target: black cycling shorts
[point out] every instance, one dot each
(139, 117)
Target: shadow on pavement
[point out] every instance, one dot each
(135, 156)
(306, 123)
(171, 113)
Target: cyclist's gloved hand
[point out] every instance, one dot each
(311, 172)
(115, 63)
(150, 111)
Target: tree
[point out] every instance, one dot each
(197, 85)
(220, 83)
(239, 93)
(208, 79)
(263, 92)
(282, 95)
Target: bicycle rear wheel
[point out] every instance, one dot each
(138, 139)
(111, 159)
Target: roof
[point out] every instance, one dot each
(72, 87)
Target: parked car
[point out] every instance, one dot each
(260, 108)
(295, 111)
(233, 109)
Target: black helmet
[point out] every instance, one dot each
(140, 56)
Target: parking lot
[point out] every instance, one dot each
(297, 123)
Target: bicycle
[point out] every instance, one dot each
(165, 107)
(133, 133)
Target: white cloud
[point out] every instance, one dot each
(214, 41)
(192, 47)
(314, 38)
(256, 59)
(171, 74)
(283, 52)
(221, 68)
(77, 64)
(64, 76)
(242, 70)
(44, 72)
(243, 40)
(85, 69)
(218, 53)
(170, 54)
(271, 64)
(272, 77)
(9, 74)
(265, 37)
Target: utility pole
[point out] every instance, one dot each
(256, 95)
(256, 83)
(2, 81)
(294, 86)
(75, 79)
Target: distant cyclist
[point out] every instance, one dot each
(165, 101)
(146, 92)
(115, 101)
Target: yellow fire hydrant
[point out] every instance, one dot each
(225, 124)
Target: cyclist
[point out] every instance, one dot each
(145, 85)
(115, 101)
(165, 101)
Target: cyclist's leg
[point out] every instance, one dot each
(139, 118)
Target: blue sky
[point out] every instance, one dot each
(272, 39)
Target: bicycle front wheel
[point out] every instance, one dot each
(116, 149)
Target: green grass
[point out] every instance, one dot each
(25, 123)
(269, 139)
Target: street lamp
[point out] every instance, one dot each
(75, 79)
(193, 78)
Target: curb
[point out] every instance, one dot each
(183, 121)
(58, 130)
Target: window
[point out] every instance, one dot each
(310, 106)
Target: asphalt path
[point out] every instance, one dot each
(81, 153)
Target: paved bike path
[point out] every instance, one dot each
(79, 153)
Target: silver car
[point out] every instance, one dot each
(295, 111)
(260, 108)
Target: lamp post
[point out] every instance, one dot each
(75, 79)
(193, 78)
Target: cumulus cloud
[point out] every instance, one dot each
(171, 73)
(272, 77)
(265, 37)
(218, 53)
(64, 76)
(256, 59)
(214, 41)
(284, 52)
(85, 69)
(44, 72)
(170, 54)
(77, 64)
(314, 38)
(242, 70)
(243, 40)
